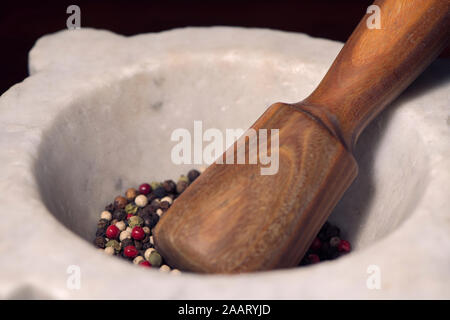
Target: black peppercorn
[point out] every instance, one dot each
(152, 220)
(164, 205)
(155, 205)
(102, 223)
(147, 245)
(332, 231)
(120, 214)
(193, 174)
(100, 242)
(148, 210)
(144, 214)
(127, 242)
(110, 208)
(138, 244)
(160, 192)
(151, 197)
(101, 232)
(335, 255)
(170, 186)
(322, 233)
(324, 250)
(146, 238)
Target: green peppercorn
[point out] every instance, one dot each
(155, 259)
(183, 178)
(135, 221)
(131, 208)
(113, 243)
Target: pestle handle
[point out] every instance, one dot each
(376, 65)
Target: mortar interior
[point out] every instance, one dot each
(118, 136)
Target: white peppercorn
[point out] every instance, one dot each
(121, 225)
(146, 230)
(164, 268)
(168, 199)
(138, 259)
(109, 251)
(141, 201)
(106, 215)
(175, 272)
(124, 235)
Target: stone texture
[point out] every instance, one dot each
(98, 110)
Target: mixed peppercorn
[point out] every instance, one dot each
(125, 226)
(326, 246)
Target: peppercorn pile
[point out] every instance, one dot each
(125, 226)
(326, 246)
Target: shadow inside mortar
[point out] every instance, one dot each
(363, 188)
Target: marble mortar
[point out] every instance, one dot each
(95, 117)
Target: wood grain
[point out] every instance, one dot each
(233, 219)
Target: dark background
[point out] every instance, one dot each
(23, 22)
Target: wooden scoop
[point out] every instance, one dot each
(234, 219)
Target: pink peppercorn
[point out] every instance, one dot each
(313, 258)
(145, 188)
(138, 233)
(112, 232)
(344, 246)
(145, 264)
(130, 251)
(316, 244)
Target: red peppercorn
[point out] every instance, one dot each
(112, 232)
(316, 244)
(138, 233)
(344, 246)
(313, 258)
(145, 264)
(145, 188)
(130, 251)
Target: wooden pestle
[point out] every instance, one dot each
(233, 219)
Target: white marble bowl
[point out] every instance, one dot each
(95, 117)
